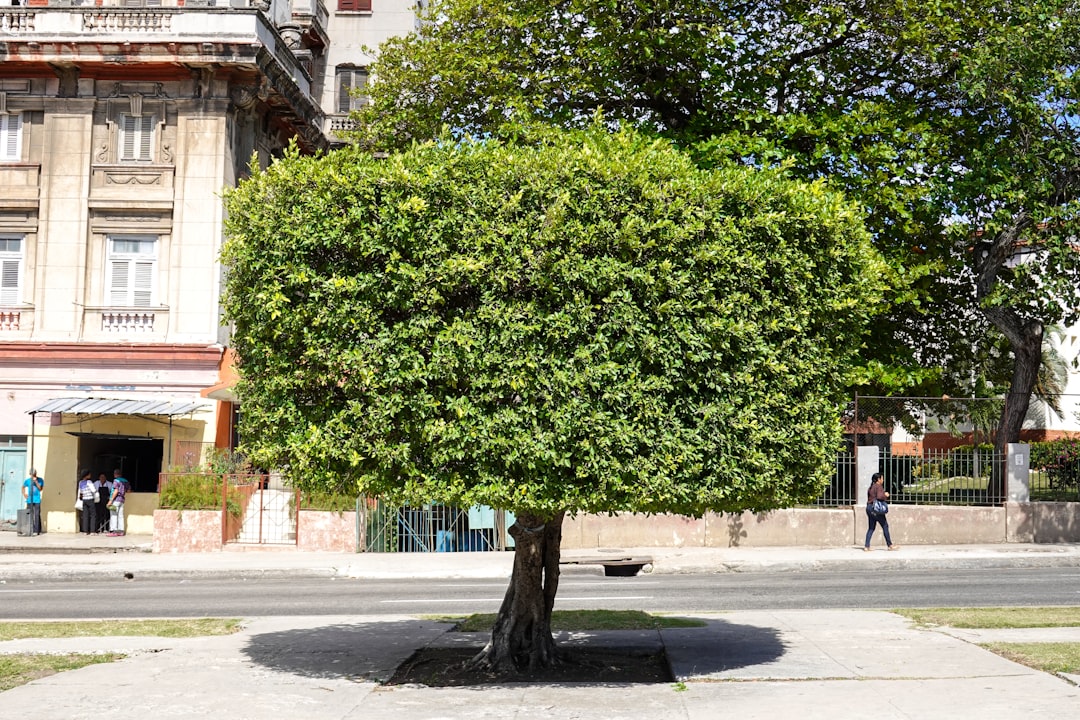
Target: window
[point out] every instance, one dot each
(136, 138)
(350, 82)
(354, 5)
(10, 270)
(132, 266)
(11, 136)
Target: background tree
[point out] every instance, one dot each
(951, 122)
(583, 323)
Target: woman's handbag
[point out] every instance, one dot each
(878, 507)
(78, 504)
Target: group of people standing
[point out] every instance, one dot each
(101, 503)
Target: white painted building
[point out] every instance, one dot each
(120, 123)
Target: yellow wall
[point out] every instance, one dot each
(56, 457)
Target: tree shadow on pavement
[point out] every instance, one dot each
(720, 646)
(363, 651)
(374, 651)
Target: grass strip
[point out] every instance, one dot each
(994, 617)
(194, 627)
(19, 669)
(582, 620)
(1048, 657)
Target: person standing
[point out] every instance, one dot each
(104, 492)
(877, 492)
(116, 504)
(31, 493)
(88, 496)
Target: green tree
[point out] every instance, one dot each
(951, 122)
(581, 322)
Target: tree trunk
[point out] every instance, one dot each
(1026, 340)
(521, 636)
(1025, 336)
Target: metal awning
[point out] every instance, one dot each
(107, 406)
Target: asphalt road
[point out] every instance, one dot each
(656, 593)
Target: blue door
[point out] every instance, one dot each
(12, 473)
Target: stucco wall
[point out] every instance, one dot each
(326, 531)
(779, 528)
(187, 531)
(1056, 522)
(909, 525)
(200, 531)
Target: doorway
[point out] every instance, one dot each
(13, 471)
(138, 458)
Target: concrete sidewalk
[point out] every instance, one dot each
(807, 664)
(810, 664)
(74, 556)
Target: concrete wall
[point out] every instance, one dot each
(939, 525)
(200, 531)
(909, 525)
(779, 528)
(187, 531)
(326, 531)
(1056, 522)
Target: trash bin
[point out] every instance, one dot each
(23, 522)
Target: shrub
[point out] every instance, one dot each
(1060, 460)
(328, 501)
(961, 460)
(195, 491)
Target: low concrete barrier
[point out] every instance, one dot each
(1039, 522)
(321, 531)
(780, 528)
(187, 531)
(1056, 522)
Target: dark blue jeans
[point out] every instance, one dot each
(874, 521)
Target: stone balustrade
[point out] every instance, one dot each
(112, 21)
(127, 321)
(10, 320)
(13, 21)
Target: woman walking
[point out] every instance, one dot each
(877, 492)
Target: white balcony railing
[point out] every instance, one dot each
(12, 21)
(10, 320)
(127, 321)
(116, 20)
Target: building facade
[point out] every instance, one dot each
(121, 122)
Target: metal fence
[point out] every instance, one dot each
(960, 476)
(914, 424)
(938, 449)
(433, 528)
(843, 487)
(255, 507)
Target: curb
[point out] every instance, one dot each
(118, 572)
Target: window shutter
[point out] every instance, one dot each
(344, 86)
(142, 289)
(118, 282)
(127, 143)
(146, 134)
(349, 81)
(136, 137)
(9, 282)
(354, 5)
(10, 130)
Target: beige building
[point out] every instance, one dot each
(120, 123)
